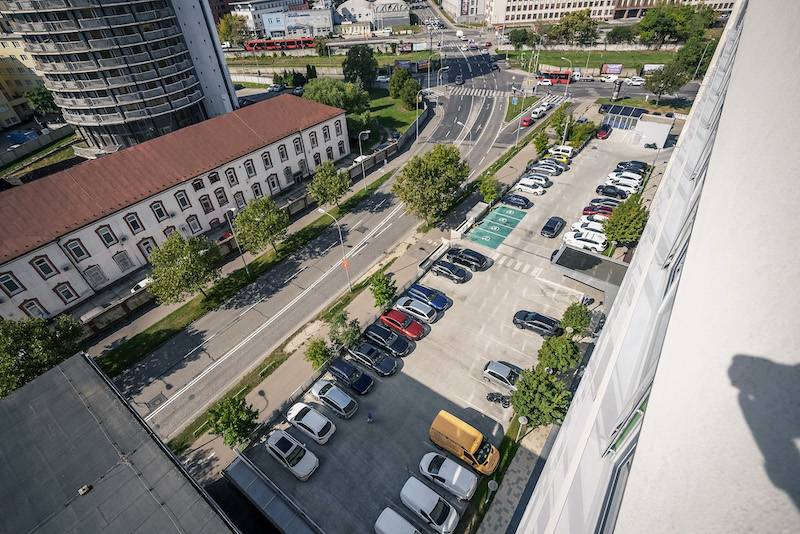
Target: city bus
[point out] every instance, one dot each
(254, 45)
(562, 77)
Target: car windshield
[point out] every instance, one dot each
(512, 377)
(302, 413)
(440, 512)
(295, 456)
(435, 465)
(406, 321)
(355, 375)
(483, 451)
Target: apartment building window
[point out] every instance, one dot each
(213, 223)
(313, 137)
(238, 197)
(10, 285)
(317, 159)
(147, 246)
(326, 133)
(205, 203)
(168, 230)
(616, 488)
(95, 276)
(338, 127)
(287, 173)
(76, 250)
(249, 168)
(183, 200)
(194, 224)
(44, 267)
(329, 153)
(341, 148)
(65, 292)
(267, 159)
(257, 192)
(282, 152)
(134, 223)
(274, 185)
(106, 235)
(213, 178)
(230, 174)
(222, 197)
(33, 309)
(198, 184)
(298, 145)
(159, 211)
(123, 261)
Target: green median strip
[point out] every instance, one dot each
(522, 104)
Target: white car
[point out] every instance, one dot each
(446, 473)
(533, 189)
(383, 79)
(635, 81)
(588, 226)
(596, 218)
(609, 78)
(416, 309)
(532, 179)
(310, 422)
(626, 174)
(142, 284)
(544, 82)
(332, 396)
(484, 52)
(437, 513)
(622, 185)
(291, 454)
(464, 48)
(586, 240)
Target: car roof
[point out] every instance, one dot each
(414, 490)
(500, 367)
(281, 440)
(397, 315)
(313, 418)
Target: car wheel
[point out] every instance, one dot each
(519, 326)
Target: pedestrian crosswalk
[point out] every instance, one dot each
(516, 265)
(473, 91)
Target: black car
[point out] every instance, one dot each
(449, 271)
(349, 375)
(518, 201)
(495, 66)
(605, 201)
(541, 324)
(611, 191)
(553, 227)
(472, 260)
(371, 356)
(381, 336)
(632, 166)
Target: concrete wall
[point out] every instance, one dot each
(35, 144)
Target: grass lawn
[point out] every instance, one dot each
(322, 61)
(675, 105)
(390, 112)
(54, 152)
(629, 59)
(252, 85)
(522, 104)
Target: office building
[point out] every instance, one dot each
(17, 76)
(626, 9)
(298, 23)
(253, 11)
(126, 72)
(686, 417)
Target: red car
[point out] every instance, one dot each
(487, 44)
(597, 210)
(604, 132)
(403, 324)
(525, 122)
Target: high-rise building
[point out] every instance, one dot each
(17, 76)
(124, 72)
(686, 417)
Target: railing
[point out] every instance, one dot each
(88, 102)
(68, 66)
(168, 51)
(75, 84)
(45, 27)
(136, 114)
(94, 118)
(162, 33)
(64, 46)
(145, 16)
(124, 40)
(161, 108)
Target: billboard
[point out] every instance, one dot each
(611, 68)
(405, 47)
(649, 68)
(423, 65)
(402, 64)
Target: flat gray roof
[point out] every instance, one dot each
(67, 429)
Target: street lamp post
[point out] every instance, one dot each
(229, 217)
(341, 241)
(361, 151)
(566, 85)
(416, 107)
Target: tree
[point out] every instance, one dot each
(298, 80)
(696, 54)
(311, 72)
(627, 222)
(328, 185)
(343, 332)
(383, 289)
(339, 94)
(559, 353)
(489, 188)
(409, 93)
(233, 29)
(40, 100)
(360, 64)
(261, 223)
(622, 34)
(358, 122)
(577, 317)
(541, 142)
(321, 46)
(233, 419)
(428, 184)
(518, 37)
(577, 27)
(657, 25)
(692, 20)
(540, 397)
(318, 352)
(399, 77)
(666, 80)
(558, 121)
(30, 347)
(182, 267)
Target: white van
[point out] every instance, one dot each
(390, 522)
(534, 179)
(562, 150)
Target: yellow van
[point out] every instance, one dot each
(450, 433)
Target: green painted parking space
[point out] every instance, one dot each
(505, 211)
(497, 225)
(487, 239)
(496, 228)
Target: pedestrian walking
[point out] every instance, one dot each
(370, 419)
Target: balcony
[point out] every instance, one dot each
(68, 66)
(93, 119)
(75, 85)
(138, 96)
(175, 68)
(155, 14)
(124, 61)
(161, 108)
(96, 102)
(55, 47)
(45, 27)
(126, 40)
(168, 51)
(163, 33)
(137, 114)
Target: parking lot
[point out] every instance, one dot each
(364, 466)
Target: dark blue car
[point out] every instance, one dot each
(349, 375)
(429, 296)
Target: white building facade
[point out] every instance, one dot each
(252, 12)
(298, 23)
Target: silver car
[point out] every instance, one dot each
(310, 422)
(291, 454)
(502, 374)
(416, 309)
(334, 398)
(451, 476)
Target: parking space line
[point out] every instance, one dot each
(526, 268)
(468, 403)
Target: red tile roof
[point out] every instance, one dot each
(39, 212)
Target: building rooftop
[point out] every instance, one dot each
(68, 429)
(97, 188)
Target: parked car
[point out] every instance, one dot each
(332, 396)
(591, 218)
(604, 131)
(553, 227)
(597, 210)
(587, 241)
(382, 78)
(559, 158)
(525, 121)
(588, 226)
(416, 309)
(449, 475)
(633, 164)
(431, 297)
(291, 454)
(539, 323)
(487, 44)
(544, 82)
(530, 188)
(605, 201)
(627, 186)
(611, 191)
(545, 168)
(635, 81)
(495, 66)
(449, 271)
(298, 91)
(310, 422)
(556, 163)
(501, 373)
(351, 376)
(403, 324)
(276, 88)
(517, 201)
(371, 356)
(142, 284)
(484, 52)
(607, 78)
(390, 522)
(385, 338)
(471, 259)
(464, 48)
(632, 174)
(459, 79)
(437, 513)
(535, 179)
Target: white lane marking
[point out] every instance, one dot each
(327, 249)
(296, 274)
(526, 268)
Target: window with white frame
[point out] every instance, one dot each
(198, 184)
(249, 168)
(329, 153)
(238, 197)
(341, 148)
(123, 261)
(168, 230)
(326, 133)
(95, 276)
(338, 127)
(65, 292)
(313, 137)
(76, 250)
(183, 200)
(317, 159)
(230, 174)
(257, 192)
(273, 183)
(134, 223)
(205, 203)
(267, 159)
(222, 197)
(194, 224)
(106, 235)
(213, 178)
(44, 267)
(298, 146)
(33, 309)
(10, 285)
(284, 155)
(159, 211)
(147, 246)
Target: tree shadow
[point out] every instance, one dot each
(377, 202)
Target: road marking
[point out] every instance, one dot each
(296, 274)
(327, 249)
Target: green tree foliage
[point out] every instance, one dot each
(40, 100)
(668, 22)
(695, 55)
(344, 332)
(540, 397)
(311, 72)
(321, 46)
(580, 133)
(666, 80)
(559, 353)
(233, 29)
(541, 142)
(318, 352)
(518, 37)
(233, 419)
(289, 78)
(261, 223)
(182, 267)
(347, 96)
(399, 77)
(622, 34)
(692, 20)
(359, 122)
(577, 28)
(30, 347)
(560, 120)
(627, 221)
(577, 317)
(408, 94)
(328, 185)
(489, 188)
(428, 184)
(360, 64)
(383, 289)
